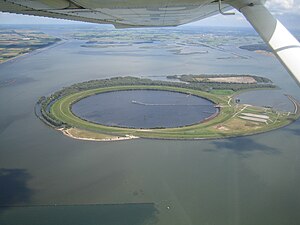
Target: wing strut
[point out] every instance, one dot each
(284, 45)
(224, 13)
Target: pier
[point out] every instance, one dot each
(161, 104)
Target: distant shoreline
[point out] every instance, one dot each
(32, 52)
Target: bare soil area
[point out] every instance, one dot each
(241, 79)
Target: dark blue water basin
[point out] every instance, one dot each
(144, 109)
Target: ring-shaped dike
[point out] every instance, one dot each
(226, 123)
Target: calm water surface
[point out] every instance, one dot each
(144, 109)
(273, 98)
(250, 180)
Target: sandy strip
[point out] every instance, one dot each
(116, 138)
(256, 115)
(253, 119)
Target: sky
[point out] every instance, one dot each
(287, 11)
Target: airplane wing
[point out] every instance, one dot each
(120, 13)
(162, 13)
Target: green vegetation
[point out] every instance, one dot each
(232, 120)
(256, 47)
(222, 92)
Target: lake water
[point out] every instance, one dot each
(248, 180)
(273, 98)
(144, 109)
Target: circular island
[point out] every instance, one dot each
(116, 109)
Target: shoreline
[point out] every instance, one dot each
(131, 137)
(32, 52)
(67, 133)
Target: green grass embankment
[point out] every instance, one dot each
(61, 110)
(226, 124)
